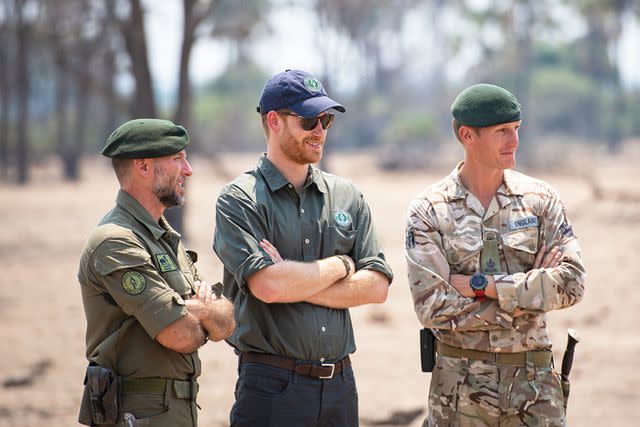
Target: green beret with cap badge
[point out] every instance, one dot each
(483, 105)
(146, 138)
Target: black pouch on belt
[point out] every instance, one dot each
(100, 400)
(427, 350)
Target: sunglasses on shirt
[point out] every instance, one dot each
(310, 123)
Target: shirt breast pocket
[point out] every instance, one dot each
(338, 241)
(462, 253)
(521, 246)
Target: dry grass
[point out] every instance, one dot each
(45, 224)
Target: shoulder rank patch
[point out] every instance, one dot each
(133, 282)
(342, 217)
(166, 263)
(518, 223)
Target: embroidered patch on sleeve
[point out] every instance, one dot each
(166, 263)
(133, 282)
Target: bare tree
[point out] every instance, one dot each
(23, 37)
(5, 86)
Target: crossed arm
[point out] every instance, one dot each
(207, 316)
(324, 282)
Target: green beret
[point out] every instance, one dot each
(485, 105)
(146, 138)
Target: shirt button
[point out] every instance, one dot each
(306, 241)
(302, 211)
(498, 349)
(290, 186)
(322, 359)
(323, 329)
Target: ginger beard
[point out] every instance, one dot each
(302, 150)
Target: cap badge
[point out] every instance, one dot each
(313, 85)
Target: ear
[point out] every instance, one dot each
(466, 134)
(274, 121)
(142, 166)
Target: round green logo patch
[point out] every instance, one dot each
(312, 84)
(133, 282)
(342, 217)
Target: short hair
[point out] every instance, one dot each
(121, 167)
(263, 116)
(456, 125)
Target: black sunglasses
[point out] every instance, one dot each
(310, 123)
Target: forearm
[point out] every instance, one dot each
(185, 335)
(440, 306)
(292, 281)
(363, 287)
(218, 320)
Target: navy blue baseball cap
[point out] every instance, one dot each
(298, 91)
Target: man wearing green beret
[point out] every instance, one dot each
(147, 310)
(489, 252)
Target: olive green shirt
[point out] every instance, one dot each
(134, 276)
(328, 217)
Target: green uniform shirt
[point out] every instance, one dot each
(445, 231)
(328, 217)
(134, 275)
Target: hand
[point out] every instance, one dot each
(271, 250)
(550, 260)
(204, 292)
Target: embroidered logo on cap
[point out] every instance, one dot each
(133, 282)
(342, 217)
(313, 85)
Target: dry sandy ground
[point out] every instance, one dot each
(42, 348)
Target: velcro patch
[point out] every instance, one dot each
(166, 263)
(526, 222)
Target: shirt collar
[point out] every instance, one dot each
(455, 190)
(131, 205)
(275, 180)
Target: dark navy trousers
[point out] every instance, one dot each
(267, 396)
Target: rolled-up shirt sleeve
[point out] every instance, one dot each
(124, 268)
(546, 289)
(368, 253)
(239, 229)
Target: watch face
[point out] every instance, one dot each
(478, 282)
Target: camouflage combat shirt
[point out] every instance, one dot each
(329, 216)
(444, 236)
(134, 276)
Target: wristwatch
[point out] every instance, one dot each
(478, 284)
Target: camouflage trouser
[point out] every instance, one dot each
(475, 393)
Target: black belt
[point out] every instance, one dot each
(320, 371)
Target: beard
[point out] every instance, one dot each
(296, 149)
(164, 187)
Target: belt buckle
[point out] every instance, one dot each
(333, 369)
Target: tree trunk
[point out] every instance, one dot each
(109, 70)
(144, 104)
(5, 94)
(22, 92)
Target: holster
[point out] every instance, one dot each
(101, 396)
(427, 350)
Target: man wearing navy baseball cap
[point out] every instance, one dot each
(299, 249)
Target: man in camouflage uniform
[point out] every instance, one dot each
(508, 235)
(147, 310)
